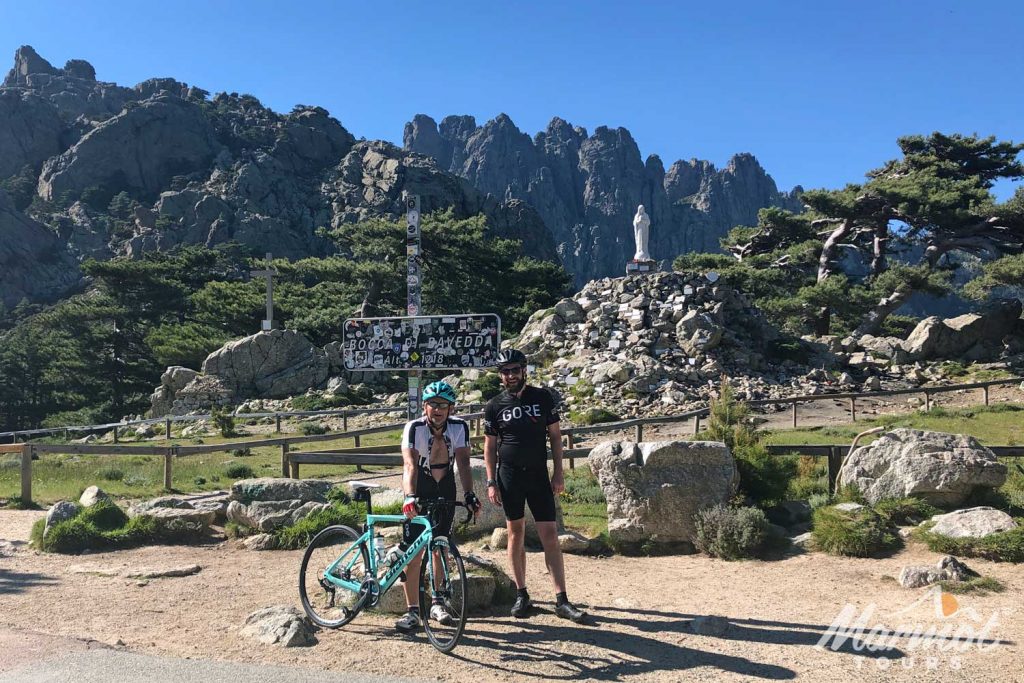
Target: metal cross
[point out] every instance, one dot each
(269, 274)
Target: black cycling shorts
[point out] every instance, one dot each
(428, 487)
(521, 485)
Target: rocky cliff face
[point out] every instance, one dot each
(197, 170)
(586, 187)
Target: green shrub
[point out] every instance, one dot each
(136, 481)
(764, 477)
(1005, 546)
(905, 511)
(35, 536)
(312, 428)
(199, 481)
(239, 470)
(818, 500)
(241, 452)
(73, 536)
(224, 421)
(110, 474)
(489, 385)
(731, 533)
(354, 515)
(592, 416)
(581, 486)
(861, 533)
(338, 495)
(105, 515)
(980, 585)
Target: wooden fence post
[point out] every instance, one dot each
(167, 428)
(115, 434)
(344, 421)
(26, 474)
(985, 390)
(295, 469)
(794, 414)
(696, 424)
(355, 441)
(284, 460)
(927, 401)
(853, 409)
(168, 469)
(639, 433)
(835, 461)
(569, 444)
(278, 422)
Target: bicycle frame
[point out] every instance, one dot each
(351, 555)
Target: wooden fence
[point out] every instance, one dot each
(290, 462)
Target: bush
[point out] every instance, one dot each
(104, 515)
(1005, 546)
(353, 514)
(818, 500)
(224, 421)
(241, 452)
(861, 533)
(312, 428)
(338, 495)
(199, 481)
(239, 470)
(581, 486)
(136, 481)
(905, 511)
(489, 385)
(731, 533)
(592, 416)
(980, 585)
(764, 477)
(72, 536)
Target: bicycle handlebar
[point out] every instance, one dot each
(427, 504)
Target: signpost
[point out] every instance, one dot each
(269, 274)
(413, 280)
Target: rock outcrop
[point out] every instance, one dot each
(586, 187)
(272, 364)
(943, 469)
(654, 489)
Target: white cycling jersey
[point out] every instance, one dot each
(418, 436)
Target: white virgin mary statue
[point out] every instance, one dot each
(641, 231)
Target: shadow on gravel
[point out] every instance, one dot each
(17, 582)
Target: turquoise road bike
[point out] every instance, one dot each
(344, 572)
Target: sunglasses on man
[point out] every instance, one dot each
(514, 370)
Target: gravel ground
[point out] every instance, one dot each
(648, 617)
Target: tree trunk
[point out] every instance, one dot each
(883, 309)
(878, 251)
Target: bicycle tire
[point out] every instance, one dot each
(444, 637)
(321, 603)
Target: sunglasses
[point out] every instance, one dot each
(439, 405)
(510, 371)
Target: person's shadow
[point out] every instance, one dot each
(18, 582)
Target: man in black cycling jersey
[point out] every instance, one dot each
(518, 424)
(431, 445)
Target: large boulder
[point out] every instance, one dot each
(274, 364)
(180, 524)
(269, 515)
(654, 489)
(976, 522)
(976, 335)
(943, 469)
(698, 332)
(279, 488)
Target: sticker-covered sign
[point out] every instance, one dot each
(449, 342)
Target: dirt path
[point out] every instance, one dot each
(641, 630)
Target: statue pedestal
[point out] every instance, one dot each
(635, 266)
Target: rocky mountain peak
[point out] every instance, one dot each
(27, 62)
(586, 187)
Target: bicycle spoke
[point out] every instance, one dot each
(327, 603)
(443, 596)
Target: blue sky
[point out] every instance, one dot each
(817, 91)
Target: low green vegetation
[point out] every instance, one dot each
(583, 504)
(732, 533)
(1005, 546)
(349, 514)
(979, 585)
(101, 526)
(860, 533)
(592, 416)
(904, 511)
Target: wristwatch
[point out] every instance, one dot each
(491, 482)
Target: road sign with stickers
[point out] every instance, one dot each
(439, 342)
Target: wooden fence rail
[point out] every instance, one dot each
(290, 461)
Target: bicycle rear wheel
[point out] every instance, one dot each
(443, 584)
(327, 604)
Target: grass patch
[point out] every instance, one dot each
(239, 470)
(592, 416)
(979, 585)
(1005, 546)
(861, 533)
(353, 515)
(102, 526)
(905, 511)
(312, 428)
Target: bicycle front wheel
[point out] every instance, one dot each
(443, 601)
(326, 603)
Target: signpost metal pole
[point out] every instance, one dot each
(414, 283)
(269, 274)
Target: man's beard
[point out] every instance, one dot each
(515, 387)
